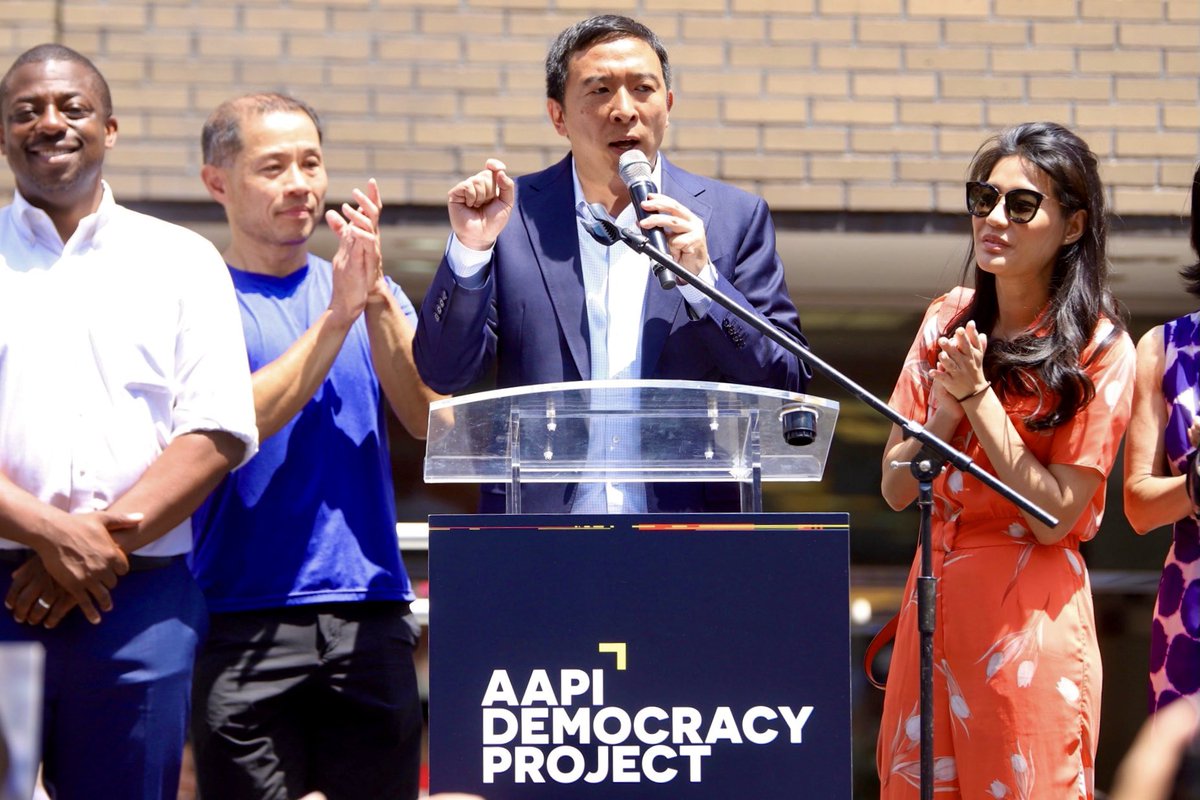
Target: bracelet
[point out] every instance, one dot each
(987, 385)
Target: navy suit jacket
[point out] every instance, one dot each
(530, 314)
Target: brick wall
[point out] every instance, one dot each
(855, 105)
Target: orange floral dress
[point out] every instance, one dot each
(1016, 662)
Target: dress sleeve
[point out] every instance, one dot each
(1093, 436)
(911, 395)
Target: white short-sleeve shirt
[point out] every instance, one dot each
(111, 345)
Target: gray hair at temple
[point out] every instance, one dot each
(221, 139)
(42, 53)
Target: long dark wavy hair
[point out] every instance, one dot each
(1047, 363)
(1191, 274)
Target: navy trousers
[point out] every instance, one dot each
(117, 693)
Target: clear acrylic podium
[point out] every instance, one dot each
(641, 602)
(627, 431)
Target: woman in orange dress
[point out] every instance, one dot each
(1031, 374)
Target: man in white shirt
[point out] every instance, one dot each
(124, 397)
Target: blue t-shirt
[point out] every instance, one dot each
(312, 517)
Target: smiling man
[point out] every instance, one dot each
(306, 681)
(523, 284)
(124, 397)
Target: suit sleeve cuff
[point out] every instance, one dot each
(697, 300)
(469, 266)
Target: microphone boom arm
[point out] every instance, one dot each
(634, 239)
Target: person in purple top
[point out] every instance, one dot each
(1161, 480)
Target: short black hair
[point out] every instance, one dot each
(40, 54)
(596, 30)
(221, 138)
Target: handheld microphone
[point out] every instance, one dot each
(637, 174)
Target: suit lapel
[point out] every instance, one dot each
(665, 308)
(547, 208)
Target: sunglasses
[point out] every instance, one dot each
(1020, 205)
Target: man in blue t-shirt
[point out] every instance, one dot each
(306, 681)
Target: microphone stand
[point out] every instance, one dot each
(925, 466)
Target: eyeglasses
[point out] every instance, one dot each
(1020, 205)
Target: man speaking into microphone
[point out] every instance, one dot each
(524, 284)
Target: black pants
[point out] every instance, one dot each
(323, 697)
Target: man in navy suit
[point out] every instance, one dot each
(524, 284)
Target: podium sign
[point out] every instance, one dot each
(640, 656)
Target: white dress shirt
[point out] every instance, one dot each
(111, 345)
(614, 284)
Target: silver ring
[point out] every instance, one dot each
(43, 604)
